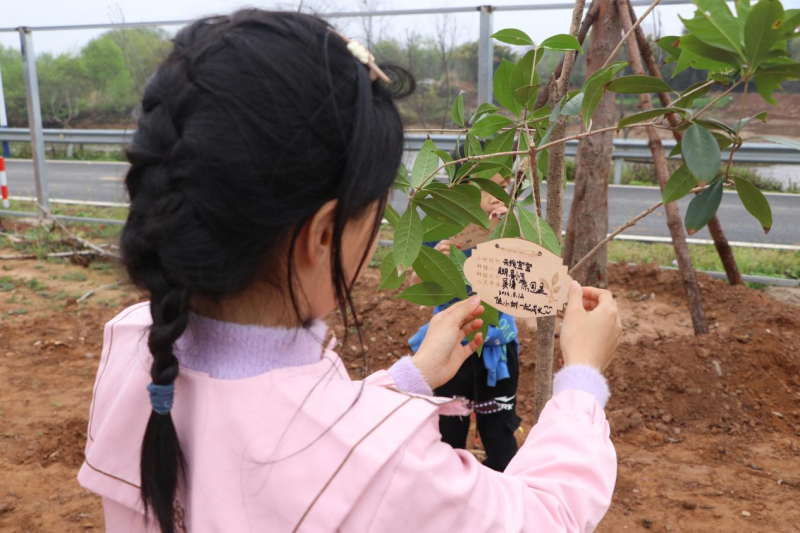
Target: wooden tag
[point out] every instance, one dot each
(473, 235)
(518, 277)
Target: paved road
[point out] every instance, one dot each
(103, 182)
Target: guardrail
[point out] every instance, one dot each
(624, 149)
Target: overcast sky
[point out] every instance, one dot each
(539, 24)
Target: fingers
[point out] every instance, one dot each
(469, 327)
(458, 313)
(473, 346)
(575, 300)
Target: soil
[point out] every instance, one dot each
(707, 429)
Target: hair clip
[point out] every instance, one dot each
(361, 53)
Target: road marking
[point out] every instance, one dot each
(110, 178)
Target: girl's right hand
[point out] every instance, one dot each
(441, 353)
(591, 329)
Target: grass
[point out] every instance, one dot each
(89, 211)
(752, 261)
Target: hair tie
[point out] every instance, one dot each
(161, 397)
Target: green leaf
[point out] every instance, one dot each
(525, 71)
(766, 85)
(489, 125)
(435, 230)
(787, 69)
(508, 227)
(473, 146)
(714, 24)
(714, 124)
(670, 45)
(547, 239)
(425, 293)
(755, 202)
(720, 59)
(679, 185)
(594, 88)
(742, 124)
(504, 142)
(462, 204)
(407, 239)
(476, 168)
(470, 190)
(505, 85)
(490, 317)
(692, 93)
(703, 207)
(391, 215)
(676, 150)
(390, 280)
(650, 113)
(457, 112)
(492, 188)
(441, 270)
(484, 109)
(701, 153)
(762, 30)
(638, 84)
(791, 143)
(426, 163)
(563, 42)
(573, 105)
(512, 36)
(526, 95)
(442, 212)
(459, 258)
(742, 10)
(446, 158)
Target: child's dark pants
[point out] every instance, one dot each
(496, 429)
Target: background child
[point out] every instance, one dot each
(489, 380)
(260, 169)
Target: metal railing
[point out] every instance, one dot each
(38, 136)
(624, 149)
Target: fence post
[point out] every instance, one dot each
(618, 172)
(3, 116)
(485, 55)
(34, 117)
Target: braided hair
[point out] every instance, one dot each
(251, 124)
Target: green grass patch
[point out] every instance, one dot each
(73, 210)
(751, 261)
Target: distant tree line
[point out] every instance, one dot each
(101, 84)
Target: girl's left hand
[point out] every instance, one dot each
(441, 353)
(499, 212)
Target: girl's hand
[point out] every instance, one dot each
(441, 353)
(591, 329)
(444, 247)
(499, 212)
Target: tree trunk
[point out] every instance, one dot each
(588, 218)
(674, 223)
(714, 225)
(545, 337)
(588, 20)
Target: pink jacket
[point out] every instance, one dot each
(306, 449)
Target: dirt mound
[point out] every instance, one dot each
(707, 429)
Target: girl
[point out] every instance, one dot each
(489, 380)
(262, 162)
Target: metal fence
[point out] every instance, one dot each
(624, 149)
(38, 136)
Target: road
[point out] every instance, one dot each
(103, 182)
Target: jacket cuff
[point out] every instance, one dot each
(582, 378)
(408, 378)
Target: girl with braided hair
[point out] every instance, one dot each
(260, 169)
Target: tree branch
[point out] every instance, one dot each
(620, 229)
(622, 41)
(84, 242)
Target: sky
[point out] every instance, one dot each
(538, 24)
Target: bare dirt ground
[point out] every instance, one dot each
(707, 429)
